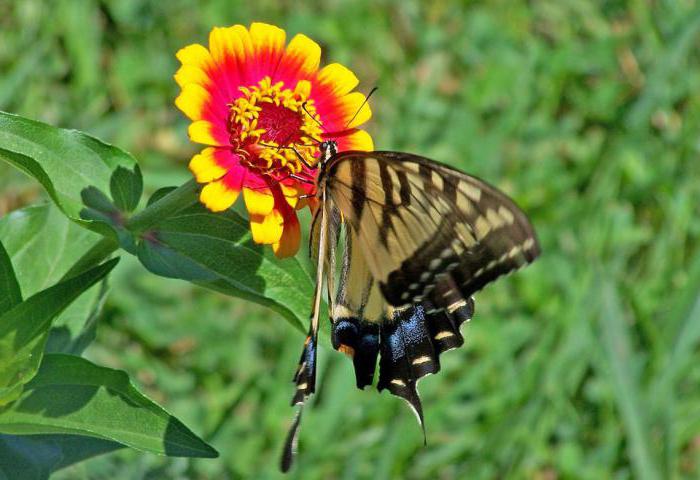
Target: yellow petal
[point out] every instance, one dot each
(195, 55)
(232, 42)
(305, 52)
(200, 132)
(267, 38)
(204, 167)
(192, 100)
(191, 74)
(303, 88)
(350, 104)
(288, 244)
(258, 202)
(359, 140)
(291, 194)
(339, 78)
(267, 229)
(217, 196)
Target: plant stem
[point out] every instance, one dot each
(182, 197)
(101, 250)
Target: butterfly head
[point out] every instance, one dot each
(328, 149)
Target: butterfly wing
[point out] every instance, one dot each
(420, 223)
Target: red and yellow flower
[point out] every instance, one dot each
(259, 104)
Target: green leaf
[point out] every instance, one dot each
(36, 457)
(46, 247)
(24, 329)
(70, 395)
(67, 162)
(217, 251)
(10, 293)
(126, 187)
(43, 245)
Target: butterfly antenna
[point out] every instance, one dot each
(361, 107)
(312, 117)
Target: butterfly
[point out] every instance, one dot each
(402, 242)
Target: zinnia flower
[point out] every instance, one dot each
(259, 106)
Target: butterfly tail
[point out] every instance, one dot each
(412, 339)
(305, 376)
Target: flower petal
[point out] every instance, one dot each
(351, 105)
(191, 74)
(337, 79)
(193, 101)
(268, 45)
(288, 244)
(207, 133)
(358, 140)
(290, 193)
(300, 60)
(195, 55)
(258, 202)
(233, 51)
(205, 167)
(267, 229)
(218, 196)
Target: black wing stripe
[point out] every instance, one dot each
(386, 223)
(358, 187)
(405, 190)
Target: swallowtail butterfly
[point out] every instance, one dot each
(417, 239)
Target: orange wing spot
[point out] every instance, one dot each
(349, 351)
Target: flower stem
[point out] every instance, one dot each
(98, 252)
(182, 197)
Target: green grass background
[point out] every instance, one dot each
(584, 365)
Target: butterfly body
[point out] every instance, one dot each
(417, 239)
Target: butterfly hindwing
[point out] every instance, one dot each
(408, 340)
(357, 313)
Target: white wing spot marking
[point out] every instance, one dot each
(470, 191)
(437, 180)
(445, 334)
(506, 214)
(412, 166)
(464, 204)
(456, 305)
(482, 226)
(421, 360)
(494, 218)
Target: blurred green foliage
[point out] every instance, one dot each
(584, 365)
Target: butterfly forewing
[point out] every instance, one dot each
(418, 221)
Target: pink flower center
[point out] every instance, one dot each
(281, 125)
(270, 130)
